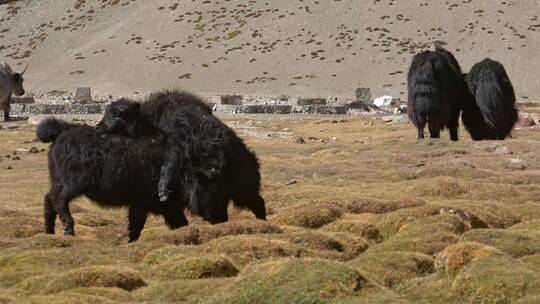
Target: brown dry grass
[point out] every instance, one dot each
(373, 217)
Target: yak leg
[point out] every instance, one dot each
(253, 201)
(49, 214)
(220, 214)
(171, 164)
(420, 125)
(137, 218)
(6, 108)
(174, 216)
(453, 125)
(60, 200)
(434, 128)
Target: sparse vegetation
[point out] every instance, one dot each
(362, 223)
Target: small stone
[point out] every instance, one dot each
(400, 120)
(526, 119)
(16, 158)
(11, 126)
(292, 182)
(33, 150)
(388, 118)
(300, 140)
(401, 109)
(9, 167)
(518, 164)
(497, 148)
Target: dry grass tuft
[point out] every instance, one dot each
(293, 281)
(309, 216)
(456, 256)
(516, 243)
(374, 206)
(392, 268)
(92, 276)
(197, 267)
(359, 228)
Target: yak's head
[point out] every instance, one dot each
(18, 88)
(122, 117)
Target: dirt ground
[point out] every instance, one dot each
(360, 212)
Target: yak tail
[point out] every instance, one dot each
(49, 129)
(423, 91)
(496, 102)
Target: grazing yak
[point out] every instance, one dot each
(10, 83)
(214, 164)
(436, 92)
(113, 171)
(490, 112)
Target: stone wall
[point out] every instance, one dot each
(228, 104)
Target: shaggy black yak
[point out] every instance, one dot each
(214, 164)
(435, 92)
(491, 112)
(113, 171)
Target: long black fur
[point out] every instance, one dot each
(436, 92)
(113, 171)
(214, 164)
(491, 112)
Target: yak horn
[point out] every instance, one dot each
(26, 67)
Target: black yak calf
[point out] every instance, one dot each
(113, 171)
(214, 164)
(435, 92)
(491, 112)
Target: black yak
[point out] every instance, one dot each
(214, 164)
(435, 92)
(491, 112)
(113, 171)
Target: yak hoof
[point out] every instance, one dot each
(69, 231)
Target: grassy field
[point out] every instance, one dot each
(360, 212)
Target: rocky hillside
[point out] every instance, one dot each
(300, 47)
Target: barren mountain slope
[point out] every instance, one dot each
(300, 47)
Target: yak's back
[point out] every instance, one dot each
(90, 154)
(494, 96)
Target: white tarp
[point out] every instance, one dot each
(384, 101)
